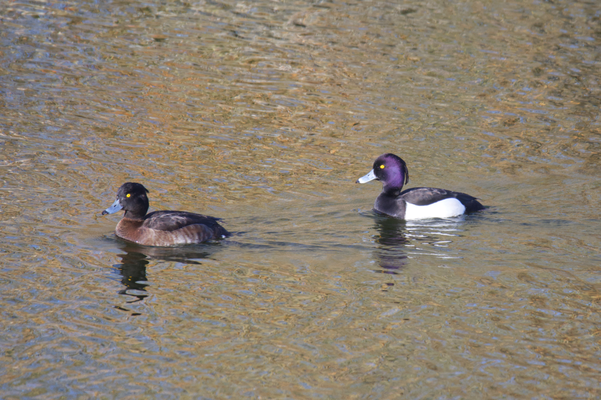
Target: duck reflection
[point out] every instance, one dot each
(390, 244)
(133, 272)
(433, 237)
(135, 258)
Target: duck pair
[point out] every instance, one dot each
(168, 228)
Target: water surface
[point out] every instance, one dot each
(265, 113)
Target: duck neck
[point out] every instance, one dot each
(392, 190)
(138, 214)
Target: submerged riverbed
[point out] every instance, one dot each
(265, 114)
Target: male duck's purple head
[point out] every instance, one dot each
(391, 170)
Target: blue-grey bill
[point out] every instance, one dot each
(113, 209)
(367, 178)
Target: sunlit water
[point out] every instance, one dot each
(265, 113)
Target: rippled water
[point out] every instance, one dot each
(265, 113)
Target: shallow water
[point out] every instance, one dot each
(265, 114)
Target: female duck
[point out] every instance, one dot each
(414, 203)
(160, 228)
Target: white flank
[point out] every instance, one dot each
(441, 209)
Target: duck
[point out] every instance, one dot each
(418, 202)
(160, 228)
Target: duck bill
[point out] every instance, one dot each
(114, 208)
(367, 178)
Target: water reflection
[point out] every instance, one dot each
(390, 251)
(399, 240)
(264, 112)
(135, 259)
(133, 272)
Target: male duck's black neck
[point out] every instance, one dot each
(392, 190)
(388, 203)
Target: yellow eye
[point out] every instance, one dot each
(382, 166)
(128, 195)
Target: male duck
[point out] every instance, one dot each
(414, 203)
(160, 228)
